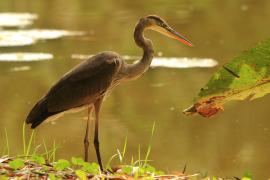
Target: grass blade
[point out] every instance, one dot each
(132, 161)
(120, 156)
(36, 148)
(54, 151)
(124, 148)
(149, 146)
(153, 130)
(147, 155)
(23, 136)
(108, 165)
(7, 143)
(46, 149)
(30, 143)
(139, 154)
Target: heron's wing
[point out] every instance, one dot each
(84, 83)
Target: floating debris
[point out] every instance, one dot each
(9, 19)
(27, 37)
(168, 62)
(24, 56)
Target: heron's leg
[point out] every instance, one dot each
(97, 106)
(86, 137)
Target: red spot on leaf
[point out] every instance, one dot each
(206, 108)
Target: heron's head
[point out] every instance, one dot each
(157, 24)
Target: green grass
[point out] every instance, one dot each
(122, 159)
(33, 163)
(29, 147)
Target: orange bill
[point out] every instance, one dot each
(169, 32)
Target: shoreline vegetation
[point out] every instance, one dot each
(34, 163)
(36, 167)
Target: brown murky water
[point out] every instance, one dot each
(230, 144)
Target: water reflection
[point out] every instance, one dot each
(11, 19)
(173, 62)
(43, 34)
(24, 56)
(20, 68)
(9, 38)
(168, 62)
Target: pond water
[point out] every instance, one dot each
(232, 143)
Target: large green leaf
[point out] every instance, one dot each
(246, 76)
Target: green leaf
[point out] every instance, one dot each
(148, 178)
(159, 173)
(92, 168)
(45, 168)
(61, 164)
(141, 171)
(246, 76)
(16, 164)
(127, 169)
(2, 177)
(52, 176)
(77, 161)
(81, 174)
(247, 176)
(150, 169)
(38, 159)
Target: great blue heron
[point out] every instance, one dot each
(85, 85)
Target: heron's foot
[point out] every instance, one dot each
(107, 171)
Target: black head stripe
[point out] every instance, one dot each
(158, 19)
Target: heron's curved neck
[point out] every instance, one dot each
(136, 70)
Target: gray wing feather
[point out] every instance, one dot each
(84, 83)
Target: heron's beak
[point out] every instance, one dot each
(169, 32)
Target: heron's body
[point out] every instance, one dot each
(80, 87)
(85, 85)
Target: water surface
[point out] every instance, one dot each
(232, 143)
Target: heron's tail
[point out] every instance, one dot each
(38, 114)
